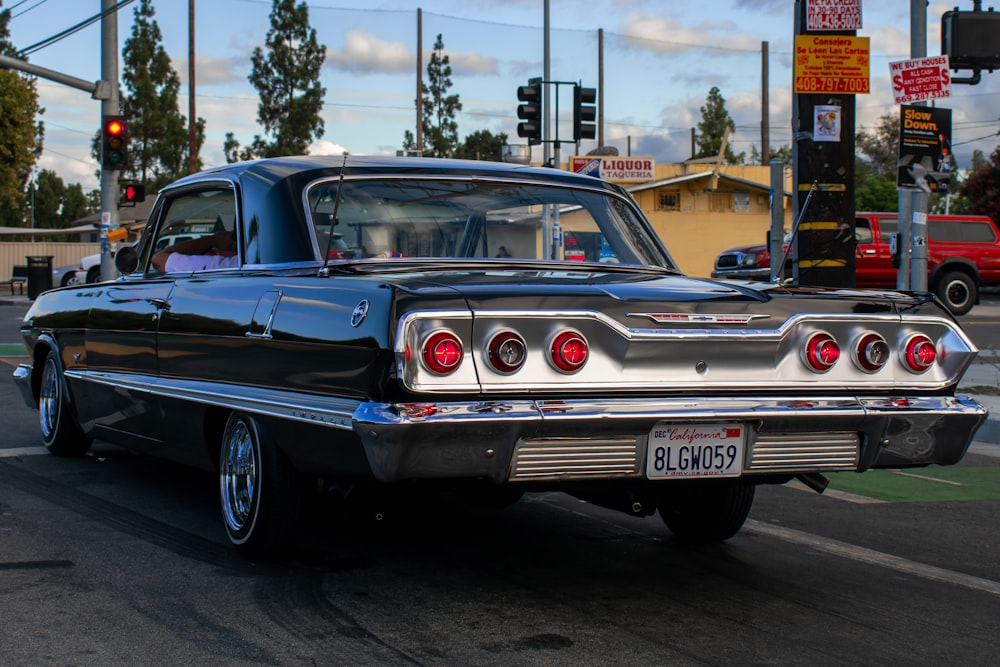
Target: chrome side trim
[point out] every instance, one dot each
(312, 409)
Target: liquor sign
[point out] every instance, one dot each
(920, 79)
(614, 168)
(832, 64)
(833, 15)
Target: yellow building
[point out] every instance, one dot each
(699, 209)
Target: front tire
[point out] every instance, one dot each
(261, 497)
(61, 433)
(958, 292)
(706, 514)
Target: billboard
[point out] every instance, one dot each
(614, 167)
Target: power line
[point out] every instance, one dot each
(38, 46)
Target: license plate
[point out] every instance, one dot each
(695, 450)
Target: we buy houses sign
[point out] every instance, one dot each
(920, 79)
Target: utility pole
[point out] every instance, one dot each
(192, 121)
(109, 107)
(420, 82)
(915, 220)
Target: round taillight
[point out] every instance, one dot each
(442, 352)
(871, 352)
(821, 352)
(919, 353)
(506, 352)
(568, 351)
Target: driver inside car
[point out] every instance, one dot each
(215, 251)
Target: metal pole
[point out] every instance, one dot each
(192, 120)
(109, 107)
(546, 131)
(600, 87)
(777, 217)
(917, 220)
(420, 81)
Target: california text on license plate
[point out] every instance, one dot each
(695, 450)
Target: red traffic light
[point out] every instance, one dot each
(114, 127)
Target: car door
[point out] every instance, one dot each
(874, 254)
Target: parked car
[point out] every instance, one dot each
(963, 253)
(87, 270)
(427, 362)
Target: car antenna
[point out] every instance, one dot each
(335, 221)
(795, 230)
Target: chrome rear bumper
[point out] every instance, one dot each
(513, 441)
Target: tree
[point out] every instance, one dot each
(782, 155)
(712, 128)
(20, 136)
(439, 126)
(482, 145)
(158, 137)
(873, 192)
(287, 79)
(982, 189)
(880, 147)
(75, 205)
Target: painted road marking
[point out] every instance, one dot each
(22, 451)
(872, 557)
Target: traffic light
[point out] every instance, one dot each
(133, 193)
(584, 113)
(114, 143)
(530, 112)
(969, 39)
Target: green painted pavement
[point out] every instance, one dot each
(921, 484)
(12, 350)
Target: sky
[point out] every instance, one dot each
(660, 59)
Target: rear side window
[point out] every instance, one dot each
(954, 231)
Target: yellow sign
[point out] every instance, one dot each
(832, 64)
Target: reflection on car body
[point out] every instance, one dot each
(402, 352)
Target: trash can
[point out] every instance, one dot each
(39, 274)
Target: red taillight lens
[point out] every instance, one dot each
(821, 352)
(506, 352)
(871, 352)
(442, 352)
(569, 351)
(919, 353)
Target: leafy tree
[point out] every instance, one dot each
(873, 192)
(75, 205)
(48, 198)
(287, 78)
(880, 146)
(783, 155)
(982, 189)
(158, 135)
(712, 127)
(482, 145)
(439, 127)
(20, 136)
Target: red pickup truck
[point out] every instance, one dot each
(963, 253)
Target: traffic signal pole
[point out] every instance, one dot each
(109, 107)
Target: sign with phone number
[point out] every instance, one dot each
(832, 64)
(819, 84)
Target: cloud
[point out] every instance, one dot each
(364, 53)
(665, 36)
(210, 70)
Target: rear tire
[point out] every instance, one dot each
(261, 495)
(61, 432)
(958, 292)
(94, 274)
(707, 514)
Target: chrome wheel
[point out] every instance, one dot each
(239, 479)
(49, 399)
(61, 433)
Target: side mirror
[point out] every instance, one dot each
(126, 260)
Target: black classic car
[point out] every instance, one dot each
(377, 323)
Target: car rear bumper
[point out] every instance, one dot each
(578, 440)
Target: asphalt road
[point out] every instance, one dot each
(119, 559)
